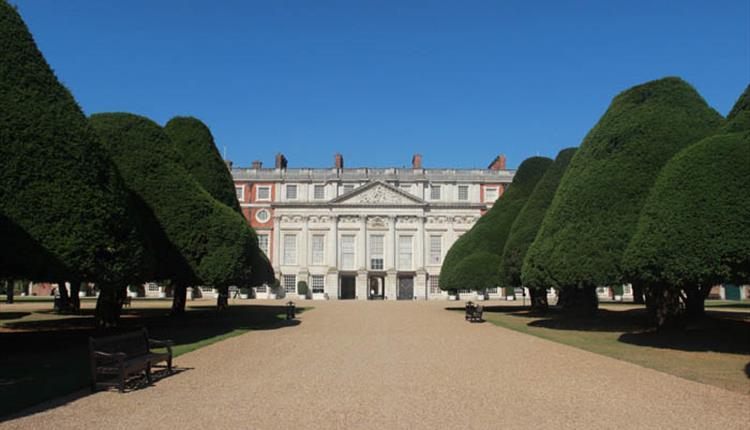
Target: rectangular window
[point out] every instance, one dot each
(290, 283)
(405, 188)
(317, 284)
(347, 252)
(490, 194)
(463, 192)
(404, 252)
(291, 192)
(348, 188)
(376, 252)
(240, 191)
(319, 192)
(436, 249)
(318, 249)
(435, 192)
(263, 243)
(260, 288)
(264, 193)
(153, 287)
(434, 282)
(290, 249)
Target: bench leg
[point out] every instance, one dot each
(148, 374)
(169, 364)
(122, 380)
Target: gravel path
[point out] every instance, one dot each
(390, 365)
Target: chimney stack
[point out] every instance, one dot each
(416, 161)
(229, 164)
(339, 161)
(257, 164)
(280, 161)
(498, 163)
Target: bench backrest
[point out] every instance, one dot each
(133, 344)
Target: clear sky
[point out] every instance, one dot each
(458, 81)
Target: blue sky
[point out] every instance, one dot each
(457, 81)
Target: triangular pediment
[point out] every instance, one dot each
(378, 193)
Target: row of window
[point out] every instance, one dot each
(348, 255)
(263, 192)
(289, 283)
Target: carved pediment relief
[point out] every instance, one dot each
(378, 193)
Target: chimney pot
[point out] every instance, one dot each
(416, 161)
(280, 161)
(257, 164)
(339, 161)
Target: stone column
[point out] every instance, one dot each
(276, 259)
(304, 256)
(419, 257)
(390, 244)
(362, 243)
(332, 277)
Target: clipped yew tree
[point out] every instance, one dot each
(598, 202)
(526, 226)
(694, 230)
(64, 213)
(200, 157)
(739, 117)
(207, 242)
(491, 231)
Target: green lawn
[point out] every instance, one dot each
(714, 351)
(45, 355)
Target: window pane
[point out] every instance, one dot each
(348, 188)
(240, 191)
(347, 252)
(318, 249)
(404, 252)
(435, 192)
(290, 249)
(463, 192)
(320, 192)
(291, 192)
(263, 243)
(434, 282)
(290, 283)
(490, 194)
(376, 252)
(435, 249)
(317, 284)
(264, 193)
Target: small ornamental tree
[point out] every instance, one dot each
(491, 231)
(526, 226)
(64, 212)
(200, 157)
(694, 230)
(597, 204)
(739, 117)
(206, 242)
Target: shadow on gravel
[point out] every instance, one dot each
(13, 315)
(46, 359)
(747, 369)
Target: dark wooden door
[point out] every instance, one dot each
(406, 288)
(347, 288)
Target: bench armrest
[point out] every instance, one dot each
(154, 343)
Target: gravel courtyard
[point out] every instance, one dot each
(388, 365)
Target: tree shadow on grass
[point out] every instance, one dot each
(46, 359)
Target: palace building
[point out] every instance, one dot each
(363, 233)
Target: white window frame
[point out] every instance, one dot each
(317, 283)
(322, 189)
(436, 253)
(239, 191)
(433, 190)
(433, 282)
(377, 251)
(464, 188)
(348, 188)
(346, 264)
(318, 249)
(261, 288)
(296, 191)
(496, 190)
(403, 263)
(265, 211)
(289, 282)
(266, 248)
(290, 255)
(258, 198)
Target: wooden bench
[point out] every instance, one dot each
(474, 312)
(124, 355)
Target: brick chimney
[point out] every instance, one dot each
(257, 164)
(416, 161)
(280, 161)
(229, 164)
(338, 161)
(498, 163)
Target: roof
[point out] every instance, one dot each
(370, 174)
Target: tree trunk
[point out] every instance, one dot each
(538, 298)
(109, 305)
(62, 291)
(579, 300)
(664, 306)
(10, 291)
(695, 301)
(222, 300)
(75, 301)
(179, 297)
(638, 297)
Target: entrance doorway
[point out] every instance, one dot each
(376, 287)
(406, 288)
(347, 289)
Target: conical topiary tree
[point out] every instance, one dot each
(595, 210)
(694, 230)
(739, 117)
(526, 226)
(490, 232)
(64, 213)
(200, 157)
(209, 242)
